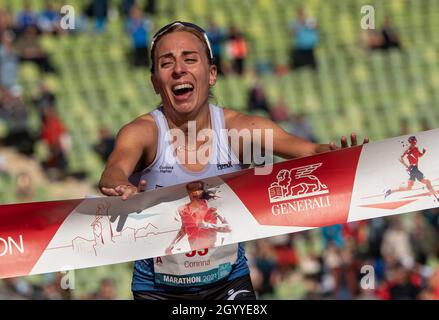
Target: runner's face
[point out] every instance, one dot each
(183, 75)
(196, 194)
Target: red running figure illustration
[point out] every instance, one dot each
(413, 154)
(199, 222)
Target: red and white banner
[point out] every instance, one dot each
(352, 184)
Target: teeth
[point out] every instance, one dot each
(183, 86)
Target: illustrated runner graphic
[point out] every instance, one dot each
(413, 154)
(198, 221)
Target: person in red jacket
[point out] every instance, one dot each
(53, 134)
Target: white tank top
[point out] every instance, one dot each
(225, 262)
(165, 170)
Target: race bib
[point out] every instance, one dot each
(195, 268)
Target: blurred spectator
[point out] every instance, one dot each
(54, 134)
(257, 100)
(372, 39)
(257, 280)
(26, 18)
(8, 61)
(402, 284)
(21, 288)
(17, 289)
(366, 294)
(332, 262)
(43, 99)
(265, 261)
(376, 228)
(50, 291)
(30, 49)
(150, 7)
(82, 22)
(424, 238)
(286, 255)
(306, 38)
(300, 126)
(107, 290)
(396, 246)
(432, 216)
(356, 232)
(279, 112)
(139, 28)
(24, 189)
(106, 143)
(14, 111)
(100, 12)
(390, 37)
(48, 19)
(126, 6)
(216, 37)
(313, 289)
(50, 287)
(387, 38)
(311, 266)
(431, 291)
(238, 50)
(6, 21)
(350, 285)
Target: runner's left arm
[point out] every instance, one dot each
(285, 145)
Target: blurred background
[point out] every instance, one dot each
(308, 65)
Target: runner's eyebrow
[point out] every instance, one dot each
(184, 53)
(166, 55)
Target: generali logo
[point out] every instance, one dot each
(302, 186)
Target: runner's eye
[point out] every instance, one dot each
(165, 64)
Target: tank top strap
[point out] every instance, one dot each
(217, 117)
(160, 121)
(224, 152)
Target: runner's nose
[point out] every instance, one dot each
(179, 68)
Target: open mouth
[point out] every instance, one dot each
(181, 90)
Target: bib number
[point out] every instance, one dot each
(195, 268)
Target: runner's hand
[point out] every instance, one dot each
(405, 164)
(344, 142)
(126, 190)
(168, 250)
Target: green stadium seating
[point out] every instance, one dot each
(353, 90)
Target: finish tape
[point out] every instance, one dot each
(357, 183)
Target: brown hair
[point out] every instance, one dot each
(199, 185)
(181, 28)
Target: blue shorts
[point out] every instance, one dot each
(415, 174)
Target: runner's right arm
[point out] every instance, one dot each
(135, 145)
(402, 159)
